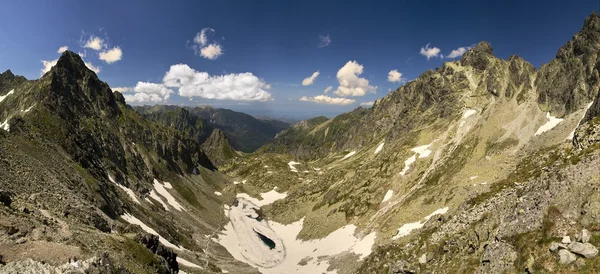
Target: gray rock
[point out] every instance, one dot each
(566, 257)
(554, 246)
(21, 241)
(586, 250)
(423, 258)
(402, 267)
(580, 262)
(584, 236)
(498, 257)
(566, 240)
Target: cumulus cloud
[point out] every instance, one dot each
(147, 92)
(367, 104)
(49, 64)
(324, 40)
(350, 83)
(310, 80)
(203, 48)
(122, 89)
(394, 76)
(458, 52)
(62, 49)
(430, 52)
(324, 99)
(236, 86)
(327, 89)
(112, 55)
(211, 51)
(94, 42)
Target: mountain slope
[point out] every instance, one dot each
(77, 163)
(219, 150)
(245, 132)
(479, 165)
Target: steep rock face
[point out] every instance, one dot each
(571, 80)
(179, 119)
(218, 149)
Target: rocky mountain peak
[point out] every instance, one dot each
(218, 148)
(72, 64)
(478, 57)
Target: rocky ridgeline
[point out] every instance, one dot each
(569, 251)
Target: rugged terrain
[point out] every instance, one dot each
(483, 165)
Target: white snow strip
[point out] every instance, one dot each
(126, 189)
(4, 125)
(218, 193)
(240, 238)
(550, 124)
(468, 113)
(269, 172)
(187, 263)
(473, 178)
(572, 134)
(2, 97)
(162, 190)
(292, 164)
(148, 200)
(388, 196)
(378, 149)
(267, 197)
(224, 271)
(27, 110)
(408, 228)
(349, 155)
(133, 220)
(420, 152)
(316, 168)
(266, 166)
(155, 196)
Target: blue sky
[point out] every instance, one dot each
(267, 48)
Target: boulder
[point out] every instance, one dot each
(584, 236)
(554, 246)
(566, 240)
(498, 257)
(566, 257)
(586, 250)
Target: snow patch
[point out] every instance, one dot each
(267, 197)
(133, 220)
(269, 172)
(550, 124)
(420, 152)
(349, 155)
(292, 164)
(473, 178)
(388, 196)
(468, 113)
(408, 228)
(157, 198)
(378, 149)
(162, 190)
(244, 244)
(218, 193)
(126, 189)
(4, 125)
(572, 134)
(29, 109)
(187, 263)
(2, 97)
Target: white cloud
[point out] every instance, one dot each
(122, 89)
(95, 43)
(211, 51)
(268, 86)
(324, 40)
(350, 83)
(112, 55)
(201, 47)
(92, 67)
(201, 36)
(367, 104)
(324, 99)
(327, 89)
(430, 52)
(310, 80)
(240, 86)
(49, 64)
(62, 49)
(148, 92)
(394, 76)
(458, 52)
